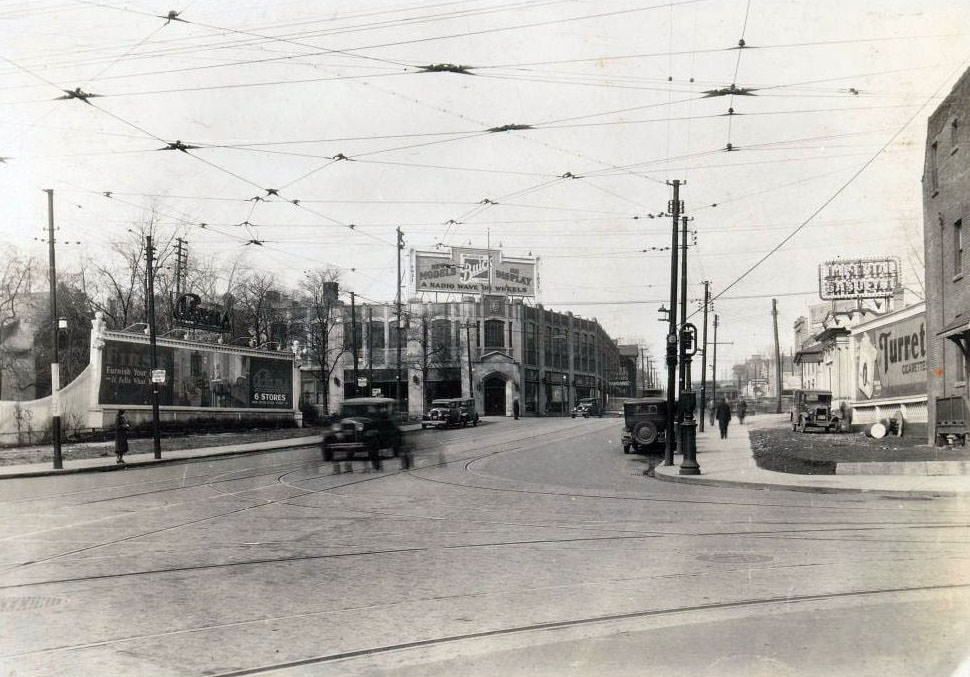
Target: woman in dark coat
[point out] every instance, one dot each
(723, 416)
(121, 435)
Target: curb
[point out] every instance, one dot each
(764, 486)
(152, 462)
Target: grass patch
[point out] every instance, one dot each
(782, 450)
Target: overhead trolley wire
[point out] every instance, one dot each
(841, 188)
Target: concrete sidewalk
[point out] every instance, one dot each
(145, 459)
(730, 463)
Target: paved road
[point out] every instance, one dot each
(528, 547)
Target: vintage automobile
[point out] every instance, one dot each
(813, 409)
(453, 412)
(366, 425)
(644, 423)
(586, 407)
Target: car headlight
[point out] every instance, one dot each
(359, 427)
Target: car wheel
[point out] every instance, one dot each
(626, 448)
(645, 433)
(424, 426)
(327, 453)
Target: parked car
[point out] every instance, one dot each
(586, 407)
(367, 425)
(644, 423)
(452, 412)
(813, 409)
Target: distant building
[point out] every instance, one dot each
(490, 348)
(946, 217)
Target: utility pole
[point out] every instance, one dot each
(714, 366)
(774, 317)
(683, 298)
(55, 328)
(181, 265)
(707, 303)
(643, 374)
(468, 343)
(400, 246)
(674, 209)
(150, 269)
(353, 341)
(370, 349)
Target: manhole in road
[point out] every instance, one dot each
(734, 558)
(29, 603)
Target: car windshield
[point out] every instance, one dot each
(635, 408)
(367, 410)
(818, 398)
(443, 403)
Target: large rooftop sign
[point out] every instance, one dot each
(474, 271)
(870, 278)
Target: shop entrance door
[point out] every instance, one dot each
(494, 387)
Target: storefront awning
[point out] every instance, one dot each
(813, 354)
(959, 325)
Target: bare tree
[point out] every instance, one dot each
(117, 284)
(435, 345)
(15, 279)
(256, 303)
(318, 291)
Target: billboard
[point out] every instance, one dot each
(195, 377)
(858, 278)
(474, 271)
(891, 359)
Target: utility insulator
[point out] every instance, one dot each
(670, 206)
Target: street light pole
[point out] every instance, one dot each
(149, 260)
(703, 407)
(353, 342)
(468, 343)
(56, 364)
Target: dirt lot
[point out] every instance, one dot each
(817, 453)
(20, 455)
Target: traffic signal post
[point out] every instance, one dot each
(688, 403)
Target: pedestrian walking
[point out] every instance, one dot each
(723, 416)
(121, 436)
(742, 410)
(711, 410)
(515, 409)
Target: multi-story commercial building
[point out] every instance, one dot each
(492, 349)
(946, 217)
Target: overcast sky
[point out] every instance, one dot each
(330, 106)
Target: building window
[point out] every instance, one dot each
(494, 335)
(440, 347)
(958, 247)
(933, 169)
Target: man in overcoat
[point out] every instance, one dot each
(723, 416)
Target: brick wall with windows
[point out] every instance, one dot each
(946, 209)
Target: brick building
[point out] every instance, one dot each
(492, 349)
(946, 217)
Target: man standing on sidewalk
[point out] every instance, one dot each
(723, 416)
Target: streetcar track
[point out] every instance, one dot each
(553, 625)
(499, 632)
(556, 437)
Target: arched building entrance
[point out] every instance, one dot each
(493, 386)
